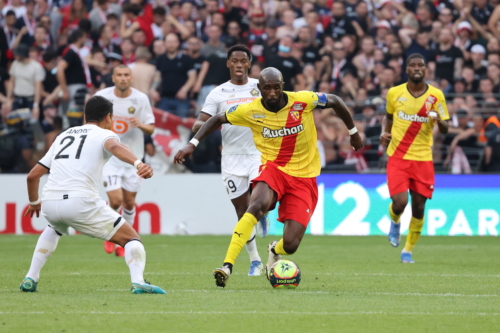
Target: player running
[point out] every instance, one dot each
(71, 195)
(133, 117)
(283, 129)
(412, 110)
(240, 158)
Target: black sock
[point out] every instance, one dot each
(273, 251)
(230, 266)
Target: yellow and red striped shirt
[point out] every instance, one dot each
(412, 128)
(288, 137)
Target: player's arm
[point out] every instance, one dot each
(211, 125)
(202, 119)
(145, 128)
(343, 113)
(124, 153)
(387, 122)
(33, 181)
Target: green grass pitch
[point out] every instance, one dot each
(349, 284)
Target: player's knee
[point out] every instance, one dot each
(257, 209)
(399, 205)
(129, 204)
(115, 203)
(418, 209)
(291, 247)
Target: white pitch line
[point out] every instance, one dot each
(256, 312)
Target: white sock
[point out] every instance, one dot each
(129, 215)
(135, 257)
(251, 247)
(46, 245)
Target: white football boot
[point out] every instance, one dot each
(272, 258)
(221, 276)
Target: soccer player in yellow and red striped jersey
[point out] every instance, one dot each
(413, 109)
(283, 129)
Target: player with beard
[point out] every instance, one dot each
(240, 158)
(413, 109)
(133, 117)
(283, 129)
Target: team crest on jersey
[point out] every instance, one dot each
(295, 114)
(254, 92)
(105, 184)
(232, 109)
(131, 110)
(429, 102)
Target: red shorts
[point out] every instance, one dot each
(297, 196)
(416, 176)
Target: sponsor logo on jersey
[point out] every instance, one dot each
(401, 99)
(240, 100)
(441, 110)
(284, 131)
(232, 109)
(131, 110)
(412, 117)
(231, 96)
(258, 115)
(254, 92)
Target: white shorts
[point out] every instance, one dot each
(89, 216)
(237, 173)
(115, 177)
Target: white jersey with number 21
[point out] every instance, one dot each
(75, 161)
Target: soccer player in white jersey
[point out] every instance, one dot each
(240, 158)
(132, 118)
(71, 195)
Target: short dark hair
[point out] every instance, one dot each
(241, 48)
(48, 56)
(159, 11)
(416, 56)
(10, 12)
(75, 35)
(112, 16)
(133, 9)
(97, 108)
(85, 25)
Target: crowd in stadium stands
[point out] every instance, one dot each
(56, 53)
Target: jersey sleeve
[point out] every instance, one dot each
(389, 107)
(236, 115)
(109, 135)
(442, 108)
(46, 161)
(210, 105)
(147, 115)
(319, 100)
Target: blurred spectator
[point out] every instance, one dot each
(481, 11)
(98, 15)
(234, 30)
(287, 65)
(415, 42)
(425, 16)
(51, 125)
(50, 92)
(28, 22)
(446, 60)
(114, 60)
(339, 65)
(16, 6)
(214, 43)
(104, 42)
(4, 82)
(159, 18)
(340, 24)
(158, 50)
(477, 61)
(144, 74)
(194, 45)
(16, 148)
(132, 15)
(177, 78)
(213, 72)
(493, 72)
(287, 29)
(127, 51)
(73, 75)
(71, 16)
(307, 44)
(492, 152)
(26, 82)
(364, 61)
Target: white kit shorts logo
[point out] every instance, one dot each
(284, 131)
(412, 117)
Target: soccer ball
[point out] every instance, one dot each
(284, 274)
